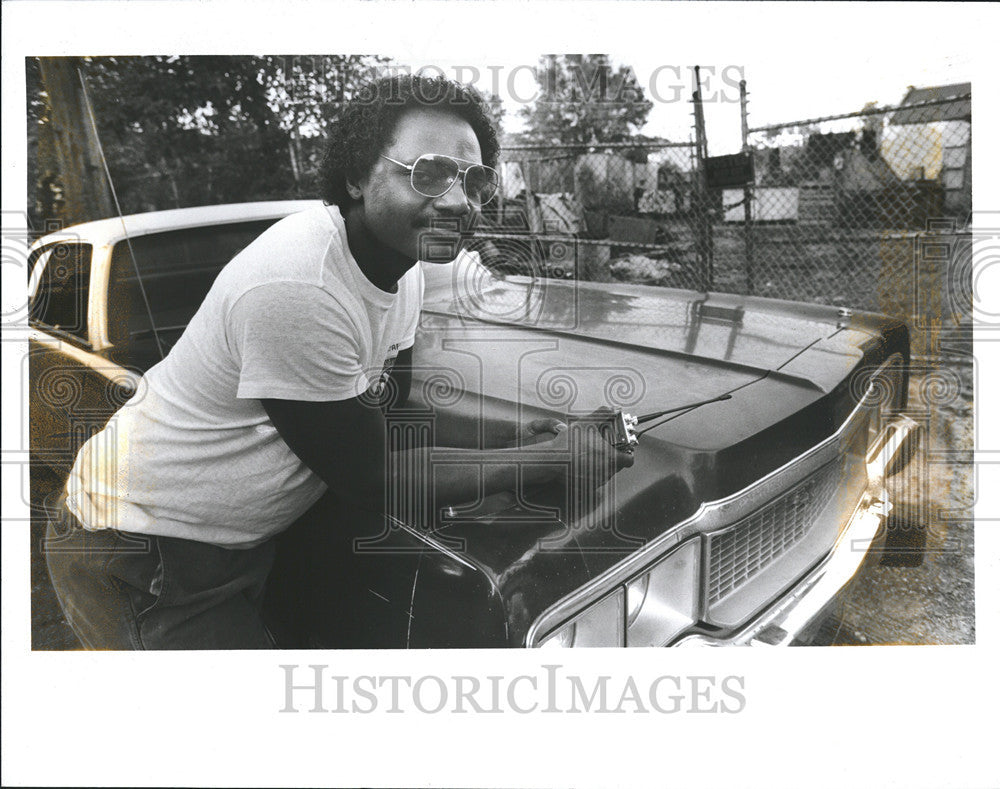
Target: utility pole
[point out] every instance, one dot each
(78, 156)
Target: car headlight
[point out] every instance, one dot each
(635, 598)
(600, 625)
(561, 638)
(669, 602)
(647, 611)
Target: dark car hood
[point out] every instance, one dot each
(521, 348)
(710, 327)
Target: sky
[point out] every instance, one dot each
(776, 92)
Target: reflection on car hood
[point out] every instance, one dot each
(601, 326)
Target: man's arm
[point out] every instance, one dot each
(463, 430)
(344, 443)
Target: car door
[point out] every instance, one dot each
(73, 390)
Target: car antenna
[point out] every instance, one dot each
(646, 417)
(685, 408)
(118, 208)
(622, 427)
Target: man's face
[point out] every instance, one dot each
(400, 217)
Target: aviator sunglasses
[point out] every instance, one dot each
(433, 174)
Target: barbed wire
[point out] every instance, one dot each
(860, 113)
(594, 147)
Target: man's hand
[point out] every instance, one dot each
(539, 430)
(592, 456)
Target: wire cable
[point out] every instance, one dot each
(118, 208)
(683, 409)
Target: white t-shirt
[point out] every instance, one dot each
(193, 454)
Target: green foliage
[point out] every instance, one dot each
(44, 192)
(584, 99)
(183, 131)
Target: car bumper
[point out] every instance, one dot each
(797, 614)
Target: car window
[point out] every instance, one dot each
(177, 269)
(60, 302)
(38, 258)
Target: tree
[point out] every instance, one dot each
(584, 99)
(182, 131)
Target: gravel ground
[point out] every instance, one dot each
(933, 603)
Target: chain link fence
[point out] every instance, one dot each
(843, 210)
(616, 211)
(842, 207)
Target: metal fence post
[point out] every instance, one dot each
(747, 192)
(703, 219)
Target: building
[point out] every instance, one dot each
(934, 143)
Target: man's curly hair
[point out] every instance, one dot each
(366, 124)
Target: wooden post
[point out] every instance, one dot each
(747, 192)
(78, 154)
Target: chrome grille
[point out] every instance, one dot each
(751, 544)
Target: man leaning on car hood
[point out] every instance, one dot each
(279, 387)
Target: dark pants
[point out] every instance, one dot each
(326, 593)
(129, 591)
